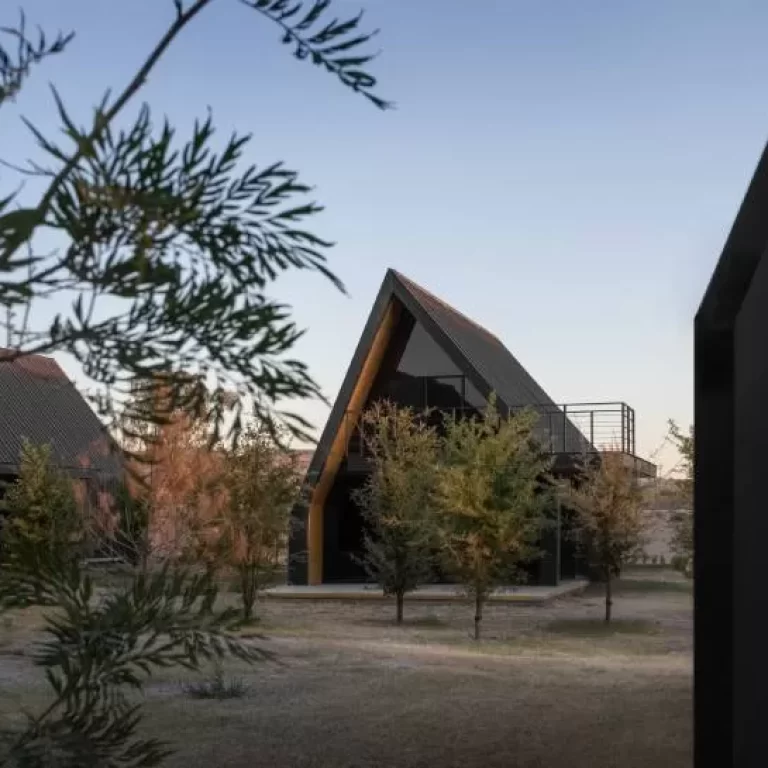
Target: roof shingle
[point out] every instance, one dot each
(40, 404)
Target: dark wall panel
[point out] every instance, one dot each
(750, 672)
(343, 533)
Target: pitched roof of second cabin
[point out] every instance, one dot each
(38, 403)
(483, 358)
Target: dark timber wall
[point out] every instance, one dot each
(730, 503)
(750, 652)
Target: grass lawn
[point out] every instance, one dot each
(549, 687)
(593, 628)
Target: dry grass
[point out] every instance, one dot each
(382, 705)
(545, 689)
(600, 628)
(18, 629)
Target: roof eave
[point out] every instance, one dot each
(743, 249)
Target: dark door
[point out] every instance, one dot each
(343, 534)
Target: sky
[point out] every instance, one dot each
(565, 173)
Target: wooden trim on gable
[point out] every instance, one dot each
(338, 447)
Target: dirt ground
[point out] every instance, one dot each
(548, 687)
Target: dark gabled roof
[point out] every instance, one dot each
(40, 404)
(743, 250)
(488, 364)
(485, 353)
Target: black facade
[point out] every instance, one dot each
(730, 522)
(431, 358)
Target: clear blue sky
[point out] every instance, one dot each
(563, 172)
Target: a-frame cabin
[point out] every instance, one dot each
(417, 351)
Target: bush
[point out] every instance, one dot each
(218, 687)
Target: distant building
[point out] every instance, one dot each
(40, 404)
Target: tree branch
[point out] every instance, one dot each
(34, 217)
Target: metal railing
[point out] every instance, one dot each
(562, 429)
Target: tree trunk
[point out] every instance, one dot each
(400, 599)
(248, 589)
(478, 613)
(608, 596)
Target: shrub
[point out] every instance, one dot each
(218, 687)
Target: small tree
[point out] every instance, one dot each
(682, 520)
(397, 500)
(261, 483)
(609, 515)
(493, 499)
(40, 507)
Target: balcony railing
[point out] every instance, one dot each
(571, 428)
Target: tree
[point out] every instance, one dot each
(682, 521)
(610, 522)
(40, 507)
(181, 479)
(165, 246)
(493, 499)
(261, 482)
(167, 251)
(397, 501)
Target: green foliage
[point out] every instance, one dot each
(39, 507)
(493, 496)
(610, 521)
(99, 650)
(169, 246)
(261, 482)
(166, 252)
(19, 52)
(397, 500)
(333, 46)
(684, 445)
(682, 521)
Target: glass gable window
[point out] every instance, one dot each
(424, 357)
(420, 373)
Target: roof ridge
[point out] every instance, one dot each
(36, 364)
(447, 306)
(23, 354)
